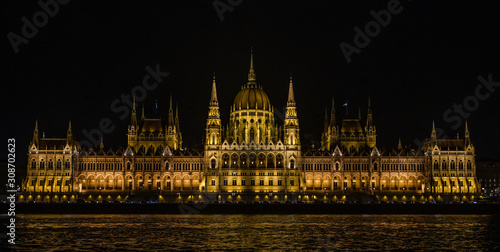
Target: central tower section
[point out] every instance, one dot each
(251, 159)
(252, 116)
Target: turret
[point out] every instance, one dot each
(369, 117)
(69, 135)
(213, 129)
(133, 119)
(291, 120)
(467, 136)
(36, 138)
(171, 113)
(433, 133)
(333, 123)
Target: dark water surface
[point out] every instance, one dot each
(257, 232)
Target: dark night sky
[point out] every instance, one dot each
(427, 59)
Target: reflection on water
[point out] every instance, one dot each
(257, 232)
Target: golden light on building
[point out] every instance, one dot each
(252, 147)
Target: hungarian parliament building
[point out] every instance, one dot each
(252, 159)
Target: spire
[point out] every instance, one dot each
(143, 116)
(332, 117)
(369, 106)
(433, 134)
(101, 146)
(359, 113)
(133, 119)
(171, 113)
(251, 72)
(467, 136)
(35, 133)
(213, 99)
(291, 99)
(369, 117)
(399, 144)
(176, 112)
(70, 133)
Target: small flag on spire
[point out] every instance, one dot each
(346, 108)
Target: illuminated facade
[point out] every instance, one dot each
(252, 158)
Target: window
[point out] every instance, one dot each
(261, 182)
(51, 164)
(212, 164)
(225, 181)
(252, 182)
(33, 164)
(213, 182)
(292, 182)
(280, 182)
(42, 164)
(292, 164)
(234, 181)
(243, 182)
(270, 182)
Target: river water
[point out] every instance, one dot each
(257, 232)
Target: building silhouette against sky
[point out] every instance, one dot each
(251, 158)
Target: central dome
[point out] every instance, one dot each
(252, 97)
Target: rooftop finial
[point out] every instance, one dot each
(213, 99)
(290, 91)
(251, 72)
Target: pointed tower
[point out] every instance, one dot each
(213, 129)
(467, 136)
(333, 122)
(370, 130)
(171, 113)
(252, 79)
(133, 119)
(399, 144)
(433, 134)
(133, 128)
(69, 135)
(291, 130)
(36, 138)
(369, 116)
(213, 145)
(143, 116)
